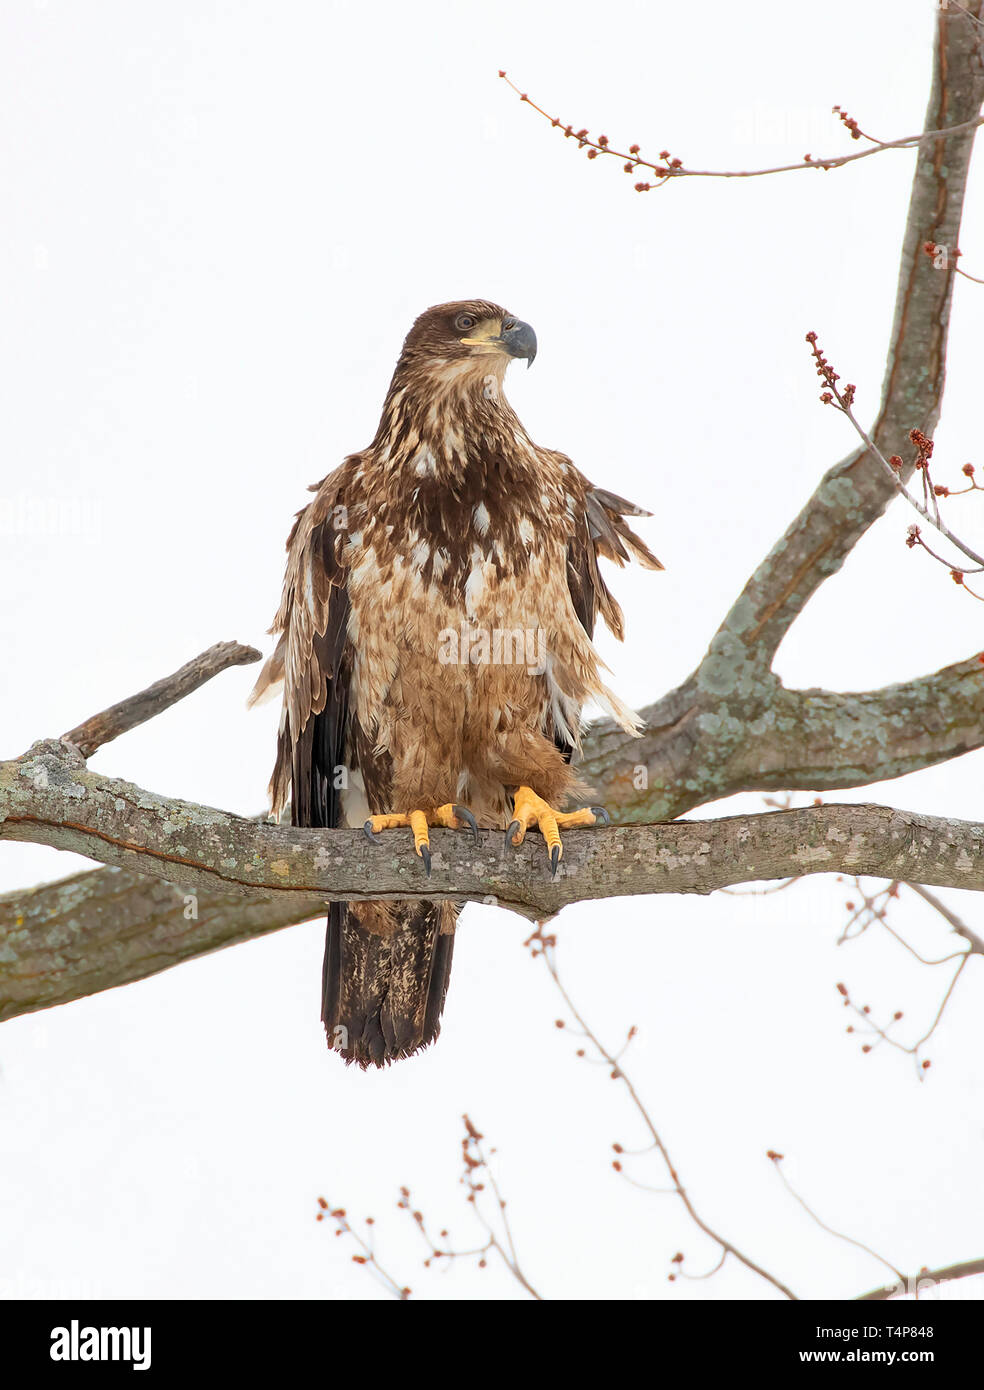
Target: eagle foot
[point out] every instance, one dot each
(452, 817)
(529, 809)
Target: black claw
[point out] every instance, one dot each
(554, 860)
(425, 855)
(511, 830)
(463, 813)
(370, 833)
(600, 814)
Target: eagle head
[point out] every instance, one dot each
(471, 331)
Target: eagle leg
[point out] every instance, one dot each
(450, 816)
(529, 809)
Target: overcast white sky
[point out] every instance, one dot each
(218, 221)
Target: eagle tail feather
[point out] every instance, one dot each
(384, 984)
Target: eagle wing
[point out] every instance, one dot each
(386, 965)
(601, 531)
(313, 659)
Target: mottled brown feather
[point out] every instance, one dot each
(452, 521)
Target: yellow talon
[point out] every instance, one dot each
(530, 809)
(390, 822)
(418, 824)
(451, 816)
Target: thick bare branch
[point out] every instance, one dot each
(107, 920)
(728, 729)
(107, 927)
(813, 740)
(50, 797)
(854, 493)
(118, 719)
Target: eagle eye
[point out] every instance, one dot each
(464, 322)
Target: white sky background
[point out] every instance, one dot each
(218, 222)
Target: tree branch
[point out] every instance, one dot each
(119, 719)
(974, 942)
(112, 926)
(49, 797)
(721, 733)
(675, 169)
(544, 946)
(854, 493)
(107, 927)
(924, 1280)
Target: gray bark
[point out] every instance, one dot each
(223, 878)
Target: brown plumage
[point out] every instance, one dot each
(440, 596)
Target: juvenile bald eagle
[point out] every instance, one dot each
(438, 606)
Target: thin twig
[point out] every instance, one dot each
(541, 945)
(873, 910)
(476, 1173)
(777, 1164)
(675, 169)
(948, 915)
(475, 1162)
(367, 1257)
(844, 399)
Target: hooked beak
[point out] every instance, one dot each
(518, 339)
